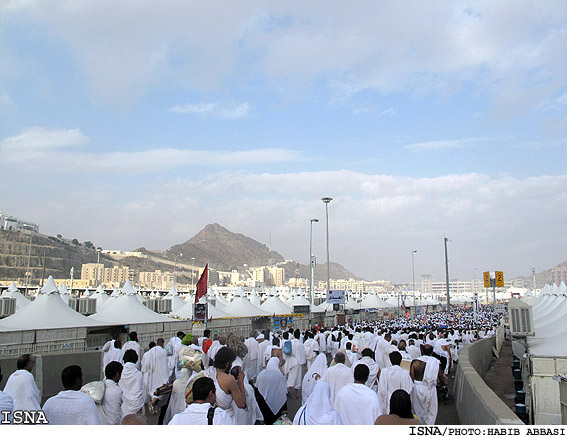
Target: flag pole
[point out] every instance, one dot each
(207, 307)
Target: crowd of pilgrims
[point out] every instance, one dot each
(383, 372)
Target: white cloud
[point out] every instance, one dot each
(446, 144)
(217, 110)
(36, 146)
(506, 49)
(34, 143)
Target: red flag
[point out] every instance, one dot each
(202, 284)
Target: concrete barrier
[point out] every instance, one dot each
(476, 403)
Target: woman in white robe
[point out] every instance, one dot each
(317, 409)
(177, 402)
(271, 389)
(315, 372)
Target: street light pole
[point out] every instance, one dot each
(447, 275)
(311, 261)
(413, 281)
(28, 270)
(326, 200)
(192, 269)
(97, 262)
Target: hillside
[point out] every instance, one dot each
(47, 255)
(542, 278)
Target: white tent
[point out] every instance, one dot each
(14, 292)
(240, 307)
(186, 312)
(47, 311)
(176, 301)
(254, 298)
(323, 307)
(274, 306)
(127, 309)
(373, 301)
(100, 296)
(299, 299)
(64, 293)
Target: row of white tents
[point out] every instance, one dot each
(546, 353)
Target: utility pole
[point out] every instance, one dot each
(28, 273)
(192, 272)
(534, 278)
(326, 200)
(311, 261)
(413, 282)
(447, 275)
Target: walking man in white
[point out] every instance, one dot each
(425, 372)
(21, 386)
(393, 378)
(132, 386)
(155, 370)
(71, 406)
(110, 408)
(356, 403)
(133, 344)
(338, 376)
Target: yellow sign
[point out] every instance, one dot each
(499, 279)
(486, 276)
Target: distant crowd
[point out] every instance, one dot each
(384, 372)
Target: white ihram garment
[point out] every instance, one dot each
(177, 402)
(372, 368)
(22, 388)
(71, 407)
(155, 369)
(110, 409)
(357, 404)
(424, 393)
(392, 379)
(271, 385)
(132, 386)
(174, 344)
(133, 345)
(337, 376)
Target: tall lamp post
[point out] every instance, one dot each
(175, 268)
(311, 261)
(97, 263)
(192, 273)
(326, 200)
(447, 275)
(413, 281)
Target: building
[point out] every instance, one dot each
(96, 273)
(559, 274)
(156, 280)
(430, 287)
(276, 275)
(12, 223)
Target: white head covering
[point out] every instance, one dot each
(272, 385)
(319, 366)
(317, 410)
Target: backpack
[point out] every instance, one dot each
(287, 348)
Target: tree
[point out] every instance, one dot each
(59, 236)
(75, 242)
(88, 244)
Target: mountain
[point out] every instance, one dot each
(542, 278)
(222, 249)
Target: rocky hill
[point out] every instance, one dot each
(222, 249)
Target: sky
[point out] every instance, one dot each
(136, 123)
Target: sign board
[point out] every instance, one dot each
(313, 261)
(336, 308)
(277, 325)
(200, 312)
(336, 296)
(486, 276)
(499, 279)
(301, 309)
